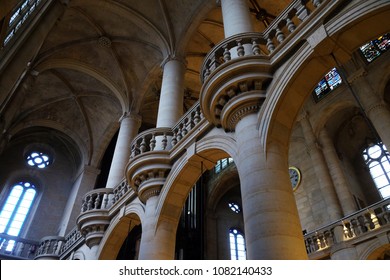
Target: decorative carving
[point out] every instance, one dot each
(104, 41)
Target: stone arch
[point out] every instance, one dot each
(124, 221)
(374, 250)
(187, 170)
(308, 65)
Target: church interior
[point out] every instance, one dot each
(194, 130)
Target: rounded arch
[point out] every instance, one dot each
(200, 156)
(375, 250)
(308, 65)
(120, 226)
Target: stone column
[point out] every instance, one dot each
(377, 111)
(341, 184)
(83, 184)
(236, 17)
(158, 236)
(172, 93)
(272, 225)
(322, 172)
(129, 125)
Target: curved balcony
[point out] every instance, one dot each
(237, 71)
(94, 218)
(50, 248)
(151, 153)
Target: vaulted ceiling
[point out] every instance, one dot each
(103, 58)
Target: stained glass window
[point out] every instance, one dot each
(376, 158)
(375, 48)
(331, 80)
(237, 245)
(15, 209)
(38, 159)
(234, 207)
(19, 17)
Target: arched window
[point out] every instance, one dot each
(329, 82)
(16, 208)
(237, 245)
(376, 158)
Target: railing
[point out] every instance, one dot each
(14, 247)
(263, 43)
(164, 138)
(73, 238)
(351, 227)
(96, 200)
(50, 247)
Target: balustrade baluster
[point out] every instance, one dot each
(97, 201)
(152, 142)
(174, 138)
(316, 3)
(143, 145)
(90, 202)
(279, 35)
(240, 48)
(255, 47)
(290, 25)
(270, 45)
(226, 54)
(197, 115)
(164, 142)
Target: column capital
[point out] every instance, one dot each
(132, 116)
(176, 57)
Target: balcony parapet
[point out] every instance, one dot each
(354, 228)
(94, 218)
(263, 43)
(71, 242)
(13, 247)
(50, 248)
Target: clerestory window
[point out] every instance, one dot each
(329, 82)
(373, 49)
(222, 164)
(376, 158)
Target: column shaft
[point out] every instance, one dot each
(158, 240)
(172, 94)
(322, 172)
(129, 126)
(376, 110)
(236, 17)
(272, 225)
(340, 182)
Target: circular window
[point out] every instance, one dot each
(38, 159)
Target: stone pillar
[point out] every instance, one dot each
(341, 184)
(272, 225)
(129, 125)
(158, 236)
(83, 184)
(376, 110)
(170, 108)
(236, 17)
(322, 172)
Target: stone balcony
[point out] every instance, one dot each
(368, 226)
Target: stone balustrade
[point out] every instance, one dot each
(49, 248)
(147, 141)
(263, 43)
(187, 123)
(71, 240)
(351, 227)
(96, 200)
(13, 247)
